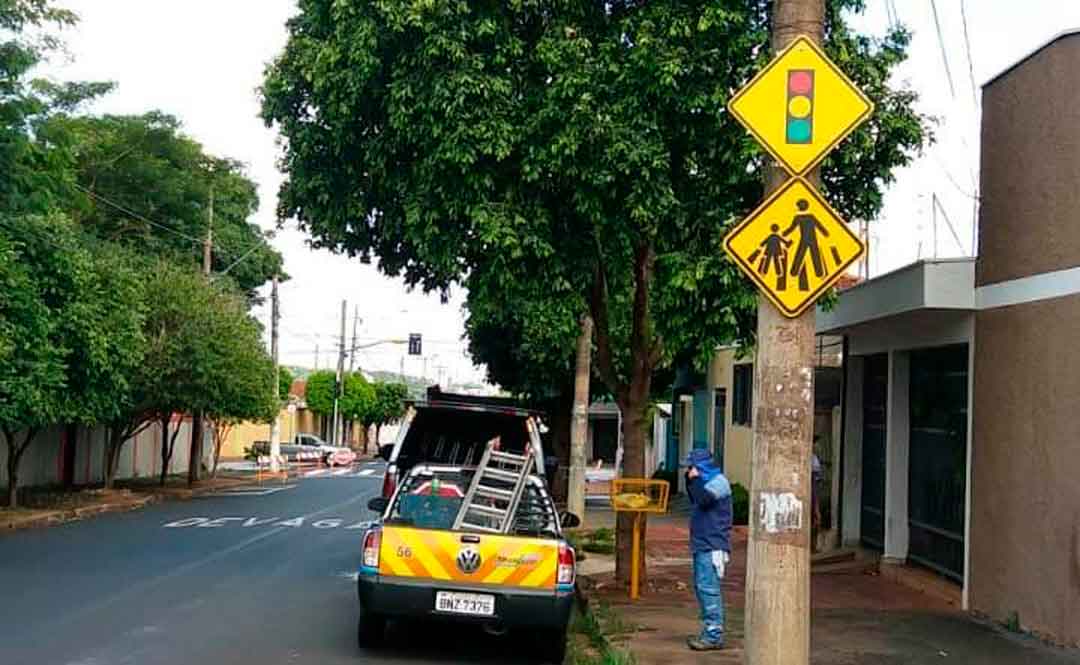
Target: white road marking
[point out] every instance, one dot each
(341, 472)
(250, 491)
(316, 472)
(294, 522)
(365, 472)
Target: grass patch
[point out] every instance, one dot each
(597, 541)
(591, 633)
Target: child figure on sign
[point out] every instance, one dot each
(775, 256)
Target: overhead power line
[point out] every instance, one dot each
(245, 249)
(941, 42)
(967, 49)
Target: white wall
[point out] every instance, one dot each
(140, 456)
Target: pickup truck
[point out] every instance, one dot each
(305, 447)
(453, 429)
(414, 563)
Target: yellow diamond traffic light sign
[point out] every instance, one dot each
(800, 106)
(794, 246)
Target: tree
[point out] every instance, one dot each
(581, 147)
(237, 370)
(32, 370)
(285, 381)
(203, 352)
(357, 403)
(74, 317)
(319, 393)
(388, 406)
(139, 181)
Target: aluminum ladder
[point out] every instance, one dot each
(495, 491)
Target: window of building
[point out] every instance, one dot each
(742, 405)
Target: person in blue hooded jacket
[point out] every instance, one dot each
(710, 544)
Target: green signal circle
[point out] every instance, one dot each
(798, 131)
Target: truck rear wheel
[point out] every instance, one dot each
(370, 630)
(551, 645)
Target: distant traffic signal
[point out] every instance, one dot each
(415, 348)
(800, 106)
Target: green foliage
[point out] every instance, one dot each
(72, 318)
(104, 318)
(285, 381)
(389, 403)
(537, 146)
(127, 177)
(740, 504)
(319, 393)
(358, 399)
(596, 625)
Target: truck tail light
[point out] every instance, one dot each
(566, 564)
(389, 483)
(372, 541)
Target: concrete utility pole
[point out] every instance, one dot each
(275, 427)
(778, 560)
(208, 244)
(197, 421)
(339, 384)
(579, 420)
(352, 348)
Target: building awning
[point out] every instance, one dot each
(933, 285)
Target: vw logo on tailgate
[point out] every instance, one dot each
(468, 560)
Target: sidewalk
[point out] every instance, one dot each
(856, 617)
(47, 507)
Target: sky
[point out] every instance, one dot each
(202, 61)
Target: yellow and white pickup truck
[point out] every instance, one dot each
(415, 564)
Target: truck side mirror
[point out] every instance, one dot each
(569, 520)
(385, 451)
(378, 504)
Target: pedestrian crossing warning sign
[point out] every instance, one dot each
(800, 106)
(794, 246)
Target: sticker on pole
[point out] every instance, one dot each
(800, 106)
(794, 247)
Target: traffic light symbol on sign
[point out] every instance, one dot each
(800, 106)
(414, 345)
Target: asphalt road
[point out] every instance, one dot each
(235, 578)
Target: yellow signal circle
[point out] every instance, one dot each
(799, 107)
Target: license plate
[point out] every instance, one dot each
(478, 604)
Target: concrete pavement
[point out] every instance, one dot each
(244, 576)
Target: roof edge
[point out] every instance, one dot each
(1068, 32)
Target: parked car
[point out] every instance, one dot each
(415, 564)
(308, 447)
(453, 429)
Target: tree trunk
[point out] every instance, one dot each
(195, 456)
(561, 412)
(579, 419)
(632, 395)
(378, 432)
(13, 480)
(111, 456)
(635, 411)
(14, 458)
(12, 470)
(166, 449)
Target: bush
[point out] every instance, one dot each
(740, 504)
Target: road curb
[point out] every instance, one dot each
(56, 517)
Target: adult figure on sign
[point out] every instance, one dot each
(809, 227)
